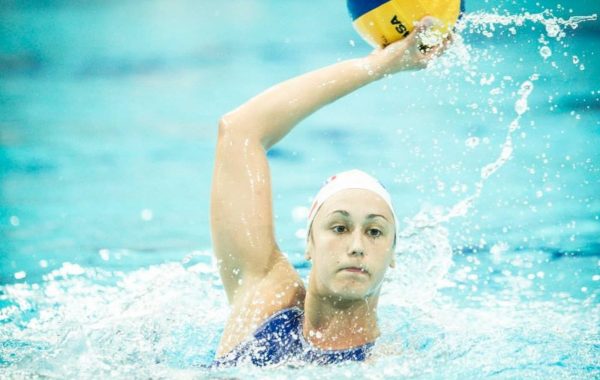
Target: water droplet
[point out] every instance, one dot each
(20, 275)
(545, 52)
(104, 254)
(487, 80)
(301, 233)
(147, 215)
(487, 170)
(552, 28)
(300, 213)
(526, 88)
(472, 142)
(521, 106)
(498, 250)
(14, 221)
(506, 152)
(575, 60)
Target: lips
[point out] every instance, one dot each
(353, 269)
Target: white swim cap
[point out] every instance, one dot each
(351, 179)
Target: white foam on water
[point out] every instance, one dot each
(89, 323)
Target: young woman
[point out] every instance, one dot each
(274, 317)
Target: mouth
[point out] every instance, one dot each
(356, 270)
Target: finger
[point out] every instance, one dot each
(451, 38)
(434, 52)
(425, 23)
(420, 27)
(413, 40)
(428, 39)
(441, 47)
(448, 41)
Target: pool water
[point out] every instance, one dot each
(108, 115)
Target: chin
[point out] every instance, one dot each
(351, 292)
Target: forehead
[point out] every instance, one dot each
(357, 202)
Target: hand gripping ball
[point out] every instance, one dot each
(381, 22)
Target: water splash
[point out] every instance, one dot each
(424, 251)
(88, 323)
(485, 23)
(463, 56)
(110, 322)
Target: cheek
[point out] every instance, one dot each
(328, 246)
(326, 259)
(382, 268)
(381, 262)
(378, 272)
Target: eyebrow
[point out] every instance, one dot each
(347, 214)
(373, 216)
(343, 212)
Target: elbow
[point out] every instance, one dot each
(231, 127)
(225, 126)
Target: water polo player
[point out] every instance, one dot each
(274, 317)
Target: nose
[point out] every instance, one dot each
(357, 247)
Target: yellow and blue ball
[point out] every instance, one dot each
(381, 22)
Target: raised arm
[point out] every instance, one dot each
(241, 202)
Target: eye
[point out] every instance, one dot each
(339, 229)
(374, 232)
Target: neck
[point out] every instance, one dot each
(331, 323)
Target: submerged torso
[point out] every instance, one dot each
(279, 340)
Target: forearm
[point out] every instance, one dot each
(270, 115)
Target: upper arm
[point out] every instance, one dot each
(241, 209)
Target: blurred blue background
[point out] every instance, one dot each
(108, 114)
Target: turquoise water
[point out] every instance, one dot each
(108, 116)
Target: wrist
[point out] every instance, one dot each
(372, 66)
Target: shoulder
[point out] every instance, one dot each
(258, 299)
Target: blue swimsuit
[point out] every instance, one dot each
(280, 340)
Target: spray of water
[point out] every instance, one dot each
(424, 251)
(480, 22)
